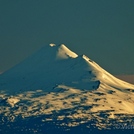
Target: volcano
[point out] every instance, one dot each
(57, 90)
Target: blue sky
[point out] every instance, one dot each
(101, 29)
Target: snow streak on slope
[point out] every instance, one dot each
(56, 81)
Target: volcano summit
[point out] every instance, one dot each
(57, 90)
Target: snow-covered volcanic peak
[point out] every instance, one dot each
(54, 65)
(57, 81)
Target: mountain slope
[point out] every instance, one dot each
(64, 89)
(54, 65)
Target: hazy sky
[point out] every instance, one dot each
(101, 29)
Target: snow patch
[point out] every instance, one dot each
(52, 45)
(12, 101)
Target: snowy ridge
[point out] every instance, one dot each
(65, 53)
(57, 80)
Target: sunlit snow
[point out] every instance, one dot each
(57, 81)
